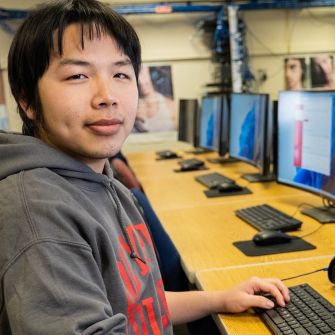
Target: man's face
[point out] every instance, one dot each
(89, 99)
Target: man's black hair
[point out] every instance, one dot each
(29, 55)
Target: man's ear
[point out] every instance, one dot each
(28, 110)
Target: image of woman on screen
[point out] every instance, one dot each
(295, 73)
(322, 72)
(156, 110)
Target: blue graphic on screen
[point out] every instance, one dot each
(246, 127)
(210, 122)
(306, 140)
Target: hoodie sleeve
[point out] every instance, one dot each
(56, 288)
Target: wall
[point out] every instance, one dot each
(166, 40)
(273, 35)
(173, 39)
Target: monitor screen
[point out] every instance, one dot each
(187, 126)
(306, 141)
(210, 121)
(251, 132)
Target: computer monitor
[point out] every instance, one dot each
(187, 125)
(214, 126)
(251, 133)
(306, 146)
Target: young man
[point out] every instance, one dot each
(75, 255)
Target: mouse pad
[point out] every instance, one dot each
(250, 249)
(215, 193)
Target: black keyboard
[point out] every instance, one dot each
(211, 180)
(266, 217)
(307, 313)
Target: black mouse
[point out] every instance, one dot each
(168, 155)
(271, 237)
(191, 164)
(228, 187)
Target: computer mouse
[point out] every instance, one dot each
(271, 237)
(168, 155)
(189, 167)
(191, 164)
(228, 187)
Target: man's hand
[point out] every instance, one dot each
(247, 294)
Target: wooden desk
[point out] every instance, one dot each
(247, 323)
(203, 229)
(167, 189)
(204, 235)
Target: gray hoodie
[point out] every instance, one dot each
(75, 254)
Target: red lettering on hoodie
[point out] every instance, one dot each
(139, 327)
(141, 312)
(148, 305)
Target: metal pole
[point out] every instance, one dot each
(235, 49)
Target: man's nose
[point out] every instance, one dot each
(104, 95)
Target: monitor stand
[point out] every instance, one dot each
(258, 178)
(222, 160)
(198, 151)
(321, 214)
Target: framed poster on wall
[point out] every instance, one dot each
(156, 109)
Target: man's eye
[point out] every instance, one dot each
(121, 76)
(76, 77)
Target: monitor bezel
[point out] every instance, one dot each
(194, 123)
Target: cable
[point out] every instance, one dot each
(305, 274)
(299, 206)
(295, 212)
(270, 53)
(312, 232)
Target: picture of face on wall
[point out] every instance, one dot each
(295, 73)
(322, 72)
(157, 109)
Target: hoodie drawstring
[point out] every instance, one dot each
(133, 253)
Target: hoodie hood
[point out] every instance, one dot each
(19, 153)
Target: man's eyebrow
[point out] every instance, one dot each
(123, 62)
(78, 62)
(69, 61)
